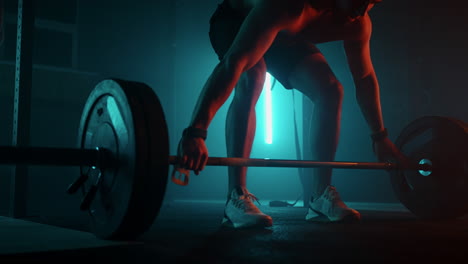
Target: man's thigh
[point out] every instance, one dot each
(285, 54)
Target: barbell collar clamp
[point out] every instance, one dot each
(77, 184)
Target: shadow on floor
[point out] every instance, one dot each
(191, 233)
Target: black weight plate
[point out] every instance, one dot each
(116, 116)
(153, 190)
(443, 193)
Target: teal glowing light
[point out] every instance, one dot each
(268, 112)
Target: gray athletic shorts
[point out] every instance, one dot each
(283, 55)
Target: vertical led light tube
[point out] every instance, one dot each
(268, 112)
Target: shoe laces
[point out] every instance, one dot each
(245, 200)
(332, 194)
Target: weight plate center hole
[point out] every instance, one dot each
(425, 162)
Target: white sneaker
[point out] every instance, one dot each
(330, 206)
(240, 211)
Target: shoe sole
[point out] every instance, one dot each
(319, 217)
(259, 224)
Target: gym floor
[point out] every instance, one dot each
(189, 231)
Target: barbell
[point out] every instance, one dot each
(123, 155)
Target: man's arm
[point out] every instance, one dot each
(367, 86)
(368, 95)
(256, 34)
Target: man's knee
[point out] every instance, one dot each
(256, 75)
(331, 94)
(251, 82)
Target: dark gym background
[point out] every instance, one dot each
(418, 48)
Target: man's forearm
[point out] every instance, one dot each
(368, 98)
(216, 91)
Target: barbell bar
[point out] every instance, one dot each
(101, 157)
(123, 156)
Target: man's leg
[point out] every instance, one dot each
(240, 210)
(241, 121)
(315, 79)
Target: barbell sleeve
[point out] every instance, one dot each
(51, 156)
